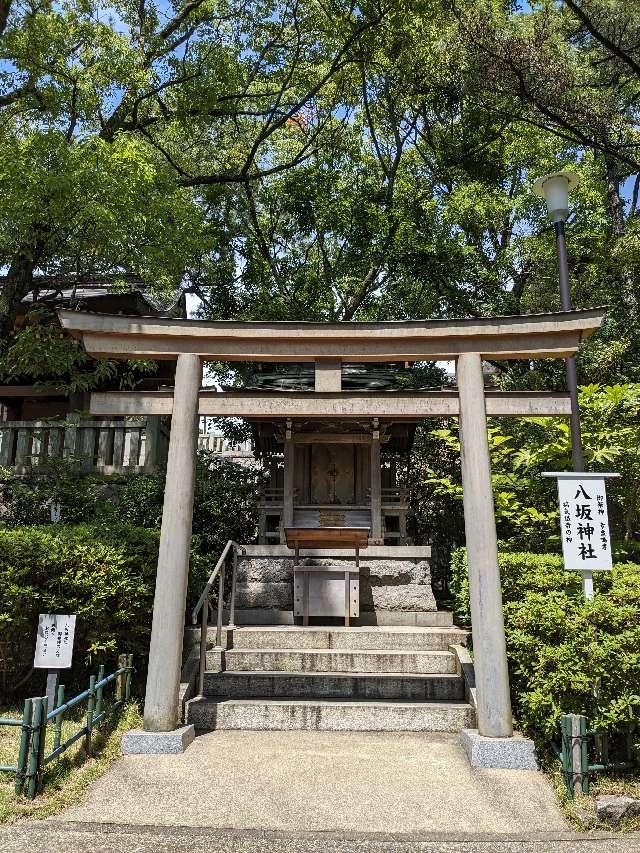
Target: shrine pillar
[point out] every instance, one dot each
(376, 485)
(161, 707)
(487, 619)
(289, 473)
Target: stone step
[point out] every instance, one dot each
(360, 637)
(272, 616)
(207, 714)
(329, 660)
(322, 685)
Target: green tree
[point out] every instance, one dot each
(113, 115)
(41, 351)
(521, 449)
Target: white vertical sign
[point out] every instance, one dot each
(54, 643)
(586, 544)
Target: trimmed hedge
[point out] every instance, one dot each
(566, 655)
(103, 573)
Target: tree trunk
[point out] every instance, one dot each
(19, 280)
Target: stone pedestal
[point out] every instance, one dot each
(137, 741)
(385, 585)
(503, 753)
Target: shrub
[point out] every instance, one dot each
(28, 499)
(526, 504)
(566, 655)
(225, 499)
(105, 574)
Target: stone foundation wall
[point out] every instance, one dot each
(394, 585)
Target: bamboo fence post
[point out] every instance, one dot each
(127, 683)
(99, 690)
(23, 752)
(120, 680)
(57, 728)
(90, 708)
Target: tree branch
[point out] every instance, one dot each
(604, 40)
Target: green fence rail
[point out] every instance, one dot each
(36, 716)
(577, 741)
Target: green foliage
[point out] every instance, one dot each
(98, 566)
(29, 499)
(327, 162)
(103, 573)
(42, 351)
(138, 498)
(521, 449)
(225, 502)
(225, 499)
(566, 655)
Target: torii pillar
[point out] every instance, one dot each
(161, 707)
(493, 744)
(487, 621)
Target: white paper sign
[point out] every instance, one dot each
(584, 523)
(54, 643)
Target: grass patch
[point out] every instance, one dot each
(621, 786)
(65, 779)
(581, 811)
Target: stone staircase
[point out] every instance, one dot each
(331, 679)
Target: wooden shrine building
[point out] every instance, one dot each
(334, 472)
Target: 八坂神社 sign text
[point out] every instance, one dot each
(585, 527)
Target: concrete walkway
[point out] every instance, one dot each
(312, 792)
(321, 782)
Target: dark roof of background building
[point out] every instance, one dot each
(124, 293)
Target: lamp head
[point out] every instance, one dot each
(555, 190)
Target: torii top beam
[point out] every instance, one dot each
(529, 336)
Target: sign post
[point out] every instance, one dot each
(54, 649)
(584, 524)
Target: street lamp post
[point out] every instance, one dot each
(555, 190)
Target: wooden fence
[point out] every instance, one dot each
(32, 755)
(217, 443)
(107, 447)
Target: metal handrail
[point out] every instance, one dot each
(203, 606)
(207, 587)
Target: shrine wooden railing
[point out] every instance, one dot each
(133, 445)
(221, 446)
(392, 495)
(272, 497)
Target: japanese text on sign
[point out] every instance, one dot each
(54, 643)
(584, 523)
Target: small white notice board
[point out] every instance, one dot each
(584, 523)
(54, 643)
(586, 543)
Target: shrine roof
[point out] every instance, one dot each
(551, 335)
(369, 376)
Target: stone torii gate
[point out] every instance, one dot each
(190, 342)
